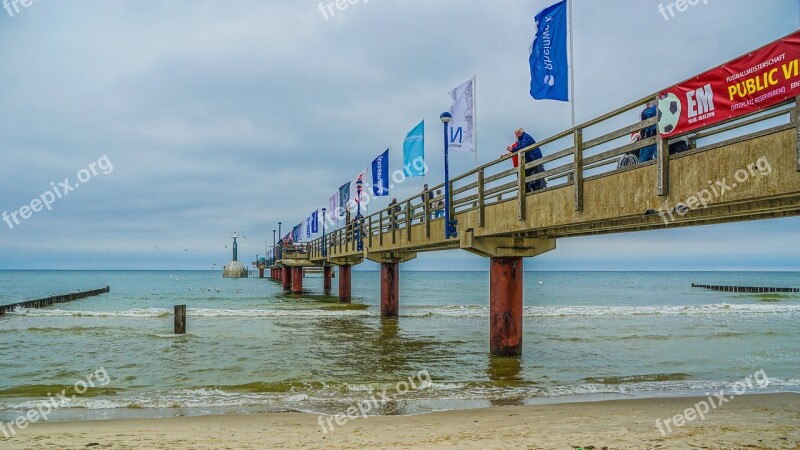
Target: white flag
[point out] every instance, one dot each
(333, 210)
(462, 128)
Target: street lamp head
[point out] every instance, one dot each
(324, 210)
(446, 117)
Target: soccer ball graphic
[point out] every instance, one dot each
(669, 113)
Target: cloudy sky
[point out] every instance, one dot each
(221, 116)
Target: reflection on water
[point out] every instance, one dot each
(506, 372)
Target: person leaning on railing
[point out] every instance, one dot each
(427, 196)
(394, 210)
(438, 206)
(649, 152)
(525, 140)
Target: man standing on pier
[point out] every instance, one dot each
(525, 140)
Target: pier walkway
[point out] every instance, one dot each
(739, 170)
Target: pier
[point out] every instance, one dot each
(56, 299)
(720, 179)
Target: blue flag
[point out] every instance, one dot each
(315, 222)
(548, 59)
(296, 233)
(380, 175)
(308, 228)
(414, 152)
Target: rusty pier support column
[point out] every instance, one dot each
(297, 280)
(260, 272)
(327, 272)
(345, 274)
(390, 290)
(505, 306)
(286, 277)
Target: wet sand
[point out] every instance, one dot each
(770, 421)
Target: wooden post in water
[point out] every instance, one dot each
(180, 319)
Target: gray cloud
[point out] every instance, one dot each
(222, 116)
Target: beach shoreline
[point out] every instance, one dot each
(750, 421)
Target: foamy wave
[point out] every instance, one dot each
(476, 311)
(314, 400)
(601, 311)
(276, 313)
(144, 313)
(159, 312)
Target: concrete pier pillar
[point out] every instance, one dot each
(390, 290)
(286, 277)
(345, 273)
(297, 280)
(505, 306)
(327, 276)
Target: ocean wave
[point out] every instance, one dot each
(160, 312)
(605, 311)
(327, 397)
(638, 378)
(142, 313)
(475, 311)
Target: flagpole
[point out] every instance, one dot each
(475, 117)
(571, 63)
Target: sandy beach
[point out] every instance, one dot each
(770, 421)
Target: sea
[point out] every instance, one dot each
(252, 348)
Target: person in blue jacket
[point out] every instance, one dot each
(525, 140)
(649, 152)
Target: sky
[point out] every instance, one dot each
(189, 120)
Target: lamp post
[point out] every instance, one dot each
(449, 225)
(324, 244)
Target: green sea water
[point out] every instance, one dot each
(252, 348)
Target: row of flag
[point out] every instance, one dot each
(354, 196)
(550, 74)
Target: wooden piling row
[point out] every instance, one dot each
(746, 289)
(50, 301)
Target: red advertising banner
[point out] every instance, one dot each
(763, 78)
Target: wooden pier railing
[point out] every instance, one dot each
(50, 301)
